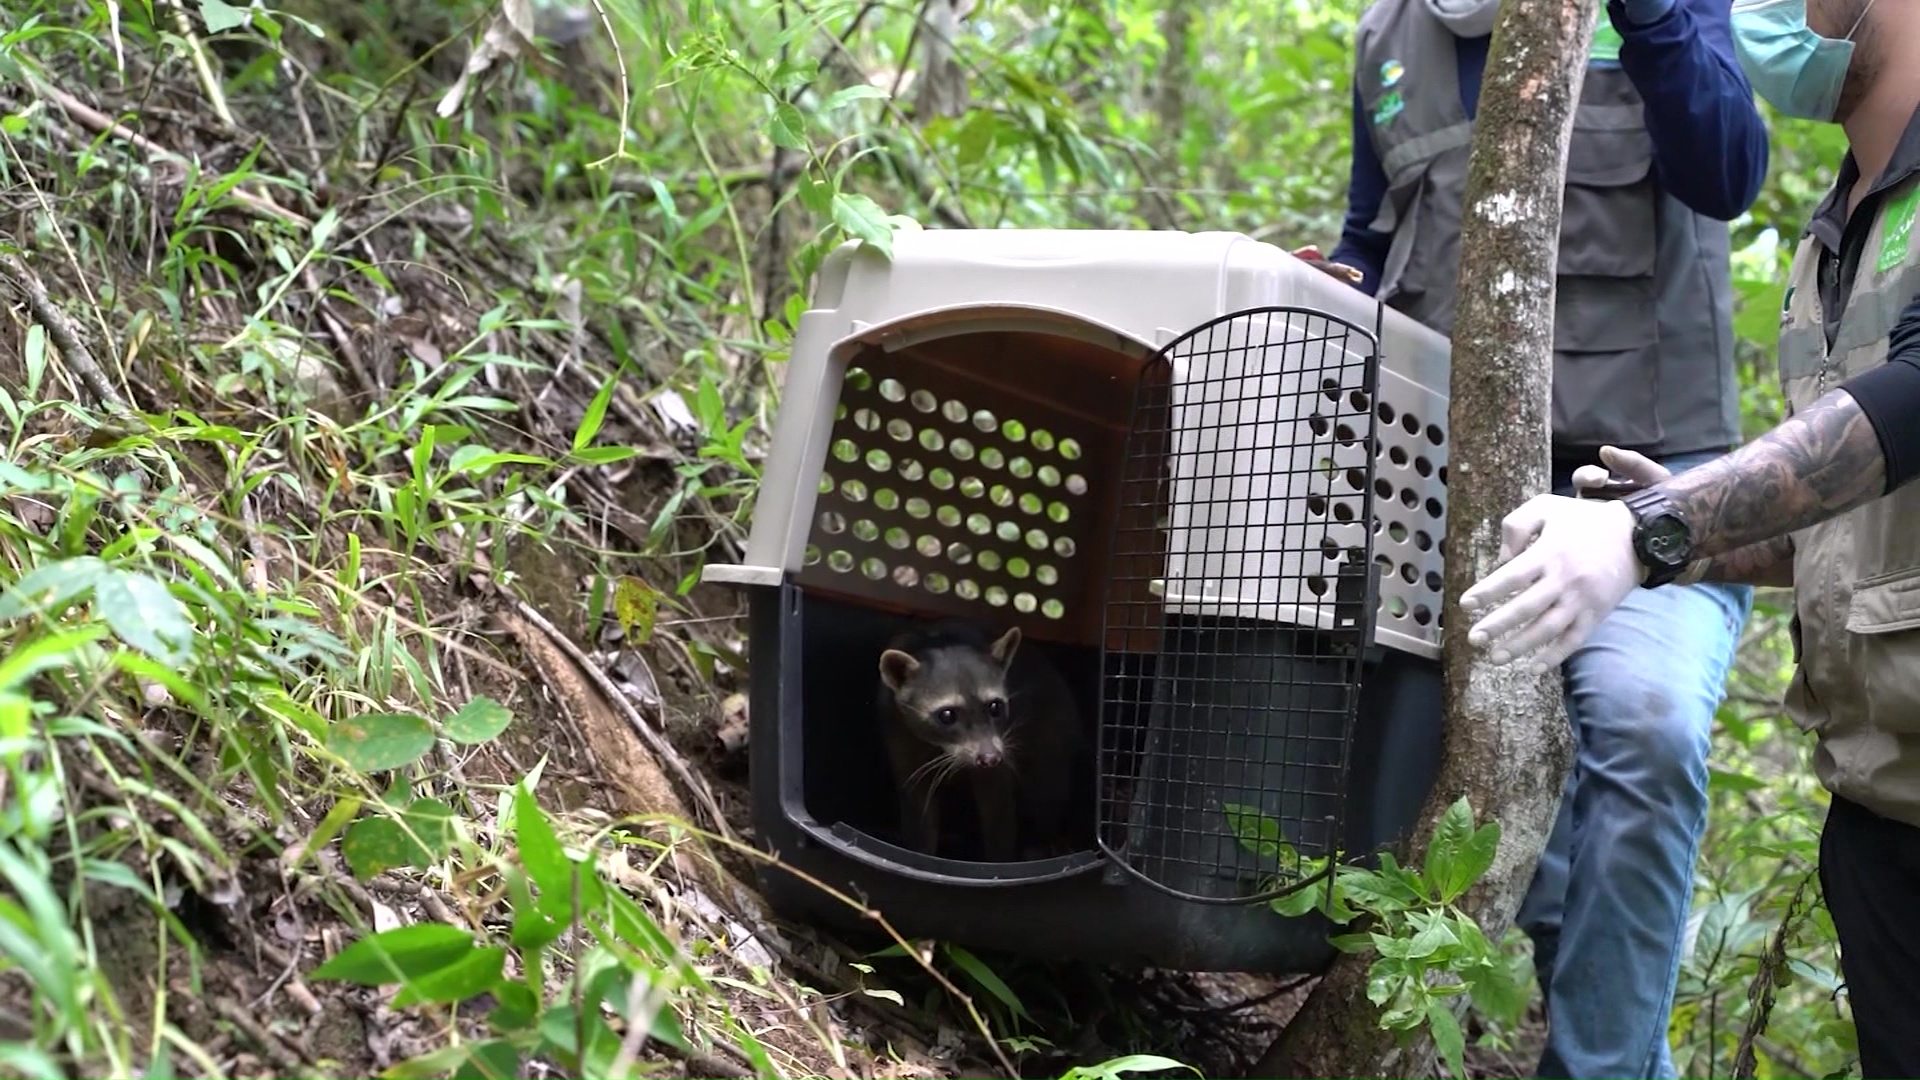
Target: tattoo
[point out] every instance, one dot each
(1817, 465)
(1769, 562)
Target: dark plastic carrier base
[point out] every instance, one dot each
(823, 803)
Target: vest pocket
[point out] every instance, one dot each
(1883, 648)
(1606, 333)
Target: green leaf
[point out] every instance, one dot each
(376, 742)
(396, 955)
(1473, 859)
(25, 1059)
(518, 1007)
(863, 220)
(471, 975)
(1449, 836)
(988, 980)
(1255, 831)
(481, 720)
(1300, 901)
(788, 127)
(540, 850)
(1112, 1068)
(850, 94)
(377, 844)
(52, 586)
(145, 615)
(220, 15)
(816, 195)
(1447, 1037)
(1496, 992)
(1434, 937)
(595, 416)
(494, 1059)
(431, 823)
(636, 604)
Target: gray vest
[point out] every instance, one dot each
(1643, 335)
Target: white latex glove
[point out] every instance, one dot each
(1566, 564)
(1638, 468)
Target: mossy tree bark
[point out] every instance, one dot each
(1507, 746)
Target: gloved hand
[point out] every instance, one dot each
(1642, 470)
(1566, 564)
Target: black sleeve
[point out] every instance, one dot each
(1890, 396)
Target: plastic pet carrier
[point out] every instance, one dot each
(1207, 484)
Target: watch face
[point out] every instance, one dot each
(1666, 539)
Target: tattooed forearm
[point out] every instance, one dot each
(1769, 562)
(1824, 461)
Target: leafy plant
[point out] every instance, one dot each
(1427, 950)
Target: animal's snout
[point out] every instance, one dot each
(987, 758)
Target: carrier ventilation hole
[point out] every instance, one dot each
(962, 446)
(812, 555)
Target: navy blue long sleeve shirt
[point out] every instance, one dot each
(1709, 143)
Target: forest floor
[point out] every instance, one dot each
(286, 345)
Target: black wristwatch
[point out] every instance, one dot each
(1662, 539)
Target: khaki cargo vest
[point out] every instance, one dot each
(1857, 576)
(1643, 336)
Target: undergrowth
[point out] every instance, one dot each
(367, 422)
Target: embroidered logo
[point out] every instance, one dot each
(1391, 104)
(1390, 73)
(1897, 232)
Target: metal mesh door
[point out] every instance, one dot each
(1240, 597)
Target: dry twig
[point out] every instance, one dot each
(64, 335)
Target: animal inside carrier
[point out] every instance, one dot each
(1094, 587)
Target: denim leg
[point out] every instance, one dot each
(1609, 904)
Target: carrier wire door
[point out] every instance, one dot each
(1240, 605)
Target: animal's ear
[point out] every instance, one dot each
(1003, 649)
(897, 668)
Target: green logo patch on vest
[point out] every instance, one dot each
(1391, 104)
(1896, 230)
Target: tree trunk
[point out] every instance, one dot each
(1507, 746)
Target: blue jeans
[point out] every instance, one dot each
(1609, 903)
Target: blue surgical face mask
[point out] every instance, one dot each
(1798, 71)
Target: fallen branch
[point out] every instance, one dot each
(65, 337)
(655, 741)
(101, 124)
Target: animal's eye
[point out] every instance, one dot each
(996, 708)
(947, 717)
